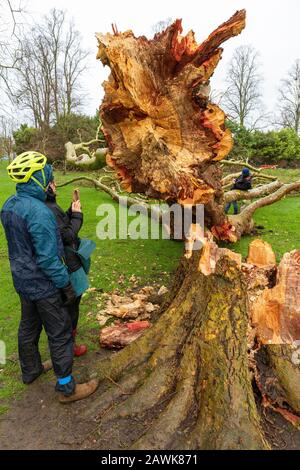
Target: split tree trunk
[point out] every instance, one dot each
(185, 384)
(165, 137)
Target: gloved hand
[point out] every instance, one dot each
(68, 295)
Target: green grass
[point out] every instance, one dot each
(281, 224)
(149, 260)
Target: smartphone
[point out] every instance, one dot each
(76, 195)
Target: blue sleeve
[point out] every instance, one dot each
(43, 232)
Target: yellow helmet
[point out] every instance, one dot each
(24, 165)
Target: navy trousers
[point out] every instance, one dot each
(56, 320)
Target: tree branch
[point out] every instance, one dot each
(236, 195)
(247, 165)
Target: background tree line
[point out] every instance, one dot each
(42, 69)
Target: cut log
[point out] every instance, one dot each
(119, 336)
(261, 254)
(276, 312)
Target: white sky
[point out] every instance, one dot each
(272, 28)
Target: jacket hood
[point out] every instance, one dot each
(32, 188)
(50, 196)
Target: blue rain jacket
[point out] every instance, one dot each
(34, 244)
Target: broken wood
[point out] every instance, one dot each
(276, 312)
(187, 379)
(261, 254)
(119, 336)
(165, 137)
(132, 305)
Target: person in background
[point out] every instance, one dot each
(40, 277)
(69, 224)
(242, 183)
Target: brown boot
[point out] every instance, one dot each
(47, 365)
(81, 391)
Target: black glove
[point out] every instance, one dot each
(68, 295)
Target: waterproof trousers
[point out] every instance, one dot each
(74, 312)
(55, 318)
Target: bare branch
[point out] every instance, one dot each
(242, 99)
(289, 99)
(259, 191)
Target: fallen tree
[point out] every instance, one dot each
(91, 156)
(187, 383)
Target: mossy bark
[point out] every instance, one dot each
(284, 362)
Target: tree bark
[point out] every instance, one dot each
(186, 384)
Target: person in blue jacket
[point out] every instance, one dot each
(242, 183)
(40, 276)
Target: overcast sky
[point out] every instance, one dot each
(272, 28)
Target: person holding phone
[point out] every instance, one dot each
(40, 276)
(69, 224)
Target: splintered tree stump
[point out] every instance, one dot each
(186, 384)
(165, 137)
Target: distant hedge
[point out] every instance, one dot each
(266, 147)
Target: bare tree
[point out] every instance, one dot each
(242, 99)
(11, 12)
(74, 64)
(161, 25)
(289, 99)
(6, 137)
(49, 71)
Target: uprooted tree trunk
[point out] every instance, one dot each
(187, 383)
(165, 138)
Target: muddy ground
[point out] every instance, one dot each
(38, 421)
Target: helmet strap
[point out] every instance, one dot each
(37, 181)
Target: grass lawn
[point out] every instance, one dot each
(148, 260)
